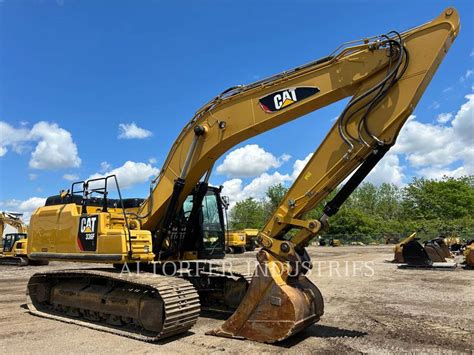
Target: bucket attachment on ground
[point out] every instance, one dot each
(414, 254)
(437, 250)
(433, 255)
(275, 306)
(398, 250)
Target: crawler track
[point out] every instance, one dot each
(13, 261)
(140, 306)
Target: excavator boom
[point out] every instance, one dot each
(281, 300)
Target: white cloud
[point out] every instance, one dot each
(54, 145)
(444, 117)
(388, 170)
(130, 173)
(463, 123)
(13, 137)
(256, 189)
(26, 207)
(448, 89)
(132, 131)
(431, 149)
(71, 177)
(438, 173)
(55, 148)
(249, 161)
(104, 166)
(152, 161)
(425, 144)
(32, 177)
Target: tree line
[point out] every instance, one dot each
(372, 213)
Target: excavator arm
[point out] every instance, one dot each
(12, 219)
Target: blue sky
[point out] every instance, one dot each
(72, 71)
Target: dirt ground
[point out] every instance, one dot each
(370, 307)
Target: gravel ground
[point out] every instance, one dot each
(370, 307)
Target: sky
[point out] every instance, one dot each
(89, 88)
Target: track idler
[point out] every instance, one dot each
(276, 305)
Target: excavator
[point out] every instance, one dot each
(14, 244)
(14, 247)
(178, 230)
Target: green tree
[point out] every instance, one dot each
(248, 213)
(448, 198)
(388, 204)
(274, 195)
(364, 198)
(430, 207)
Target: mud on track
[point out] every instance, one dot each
(370, 306)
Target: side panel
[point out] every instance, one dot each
(60, 232)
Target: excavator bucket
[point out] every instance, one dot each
(414, 254)
(398, 258)
(275, 306)
(437, 250)
(434, 254)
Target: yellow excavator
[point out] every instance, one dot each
(13, 244)
(178, 230)
(240, 241)
(235, 242)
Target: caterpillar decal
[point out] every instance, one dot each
(87, 234)
(284, 98)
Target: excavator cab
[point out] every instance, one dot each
(207, 231)
(10, 240)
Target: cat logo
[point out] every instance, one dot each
(282, 99)
(87, 234)
(88, 224)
